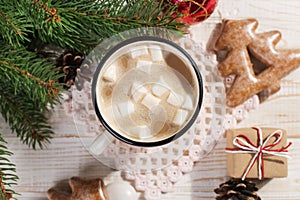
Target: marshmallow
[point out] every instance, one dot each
(180, 117)
(160, 88)
(141, 131)
(137, 91)
(139, 52)
(156, 53)
(150, 101)
(111, 73)
(125, 108)
(175, 99)
(144, 66)
(188, 103)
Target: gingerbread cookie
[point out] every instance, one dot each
(81, 190)
(241, 43)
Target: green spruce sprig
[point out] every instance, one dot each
(81, 25)
(27, 90)
(8, 178)
(15, 27)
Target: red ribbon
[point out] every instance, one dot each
(244, 145)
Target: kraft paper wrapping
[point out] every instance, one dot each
(237, 163)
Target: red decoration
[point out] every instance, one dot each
(194, 11)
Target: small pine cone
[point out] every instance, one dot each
(237, 189)
(69, 63)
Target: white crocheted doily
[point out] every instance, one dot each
(155, 170)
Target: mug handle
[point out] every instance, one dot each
(100, 143)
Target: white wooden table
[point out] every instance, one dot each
(65, 157)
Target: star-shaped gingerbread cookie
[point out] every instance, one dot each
(81, 190)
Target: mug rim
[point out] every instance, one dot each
(126, 139)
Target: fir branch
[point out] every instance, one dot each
(27, 89)
(15, 26)
(32, 76)
(8, 178)
(28, 121)
(81, 25)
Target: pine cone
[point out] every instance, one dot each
(69, 63)
(237, 189)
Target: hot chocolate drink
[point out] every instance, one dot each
(147, 93)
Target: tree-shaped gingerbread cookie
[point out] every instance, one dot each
(240, 40)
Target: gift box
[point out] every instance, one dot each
(257, 153)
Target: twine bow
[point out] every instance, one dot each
(244, 145)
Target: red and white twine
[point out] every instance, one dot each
(244, 145)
